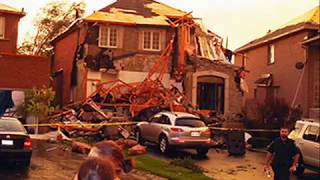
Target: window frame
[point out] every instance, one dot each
(271, 54)
(244, 60)
(155, 119)
(164, 119)
(151, 40)
(307, 130)
(200, 123)
(108, 43)
(3, 26)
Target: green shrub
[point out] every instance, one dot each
(274, 114)
(38, 102)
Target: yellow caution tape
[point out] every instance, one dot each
(246, 130)
(133, 123)
(81, 124)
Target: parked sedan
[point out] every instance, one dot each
(175, 129)
(15, 143)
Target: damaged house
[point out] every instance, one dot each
(125, 39)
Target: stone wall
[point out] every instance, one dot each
(140, 62)
(233, 96)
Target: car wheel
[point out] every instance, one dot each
(139, 137)
(202, 151)
(163, 144)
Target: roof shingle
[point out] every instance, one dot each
(147, 12)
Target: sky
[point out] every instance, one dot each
(240, 20)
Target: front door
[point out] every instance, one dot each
(210, 96)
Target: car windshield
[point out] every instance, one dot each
(190, 122)
(11, 126)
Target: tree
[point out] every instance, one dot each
(53, 19)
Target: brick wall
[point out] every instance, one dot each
(64, 53)
(9, 43)
(314, 81)
(23, 72)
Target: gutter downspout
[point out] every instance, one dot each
(301, 77)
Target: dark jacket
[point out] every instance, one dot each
(283, 152)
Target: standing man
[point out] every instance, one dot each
(282, 156)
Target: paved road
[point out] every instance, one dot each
(49, 162)
(221, 166)
(56, 162)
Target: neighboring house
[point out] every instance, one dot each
(123, 41)
(9, 19)
(18, 72)
(284, 64)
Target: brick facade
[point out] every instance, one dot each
(9, 43)
(288, 51)
(23, 72)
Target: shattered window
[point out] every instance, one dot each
(108, 37)
(2, 27)
(151, 40)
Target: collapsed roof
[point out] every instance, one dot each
(143, 12)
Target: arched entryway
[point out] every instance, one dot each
(210, 91)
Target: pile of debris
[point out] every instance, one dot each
(87, 119)
(117, 104)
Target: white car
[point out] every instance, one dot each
(307, 137)
(175, 129)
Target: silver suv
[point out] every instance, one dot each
(307, 137)
(175, 129)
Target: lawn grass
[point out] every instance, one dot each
(165, 169)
